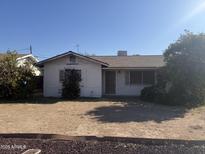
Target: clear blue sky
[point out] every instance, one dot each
(100, 27)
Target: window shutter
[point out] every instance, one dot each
(61, 75)
(127, 78)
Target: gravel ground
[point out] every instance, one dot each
(102, 117)
(17, 146)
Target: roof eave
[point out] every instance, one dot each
(128, 68)
(41, 63)
(28, 56)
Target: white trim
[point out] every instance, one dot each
(28, 56)
(130, 68)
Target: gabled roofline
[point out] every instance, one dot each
(28, 56)
(41, 63)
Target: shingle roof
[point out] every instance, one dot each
(132, 61)
(135, 61)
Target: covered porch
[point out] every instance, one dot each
(127, 82)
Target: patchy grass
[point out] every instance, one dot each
(102, 117)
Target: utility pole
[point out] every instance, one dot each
(30, 49)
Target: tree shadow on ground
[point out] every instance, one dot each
(137, 111)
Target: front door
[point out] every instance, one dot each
(110, 82)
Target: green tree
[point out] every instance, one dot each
(184, 73)
(71, 84)
(16, 81)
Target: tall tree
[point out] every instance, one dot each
(16, 81)
(184, 72)
(185, 68)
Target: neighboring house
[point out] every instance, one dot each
(102, 75)
(22, 58)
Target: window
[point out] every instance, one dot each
(65, 72)
(135, 77)
(139, 77)
(148, 77)
(72, 59)
(78, 71)
(61, 75)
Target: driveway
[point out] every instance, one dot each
(102, 117)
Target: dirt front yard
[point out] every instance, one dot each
(103, 117)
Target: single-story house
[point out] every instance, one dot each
(119, 75)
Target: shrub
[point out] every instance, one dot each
(148, 94)
(154, 94)
(71, 84)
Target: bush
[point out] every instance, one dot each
(174, 95)
(154, 94)
(71, 84)
(148, 94)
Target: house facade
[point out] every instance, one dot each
(32, 60)
(120, 75)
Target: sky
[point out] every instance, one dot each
(99, 27)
